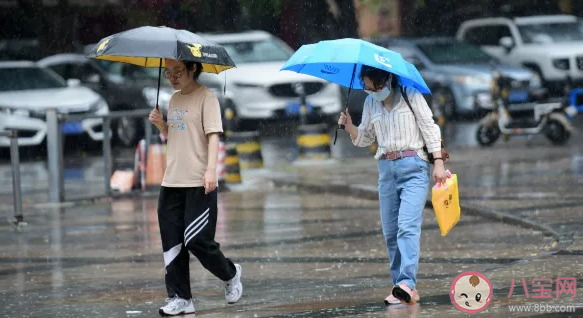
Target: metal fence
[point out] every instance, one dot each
(16, 187)
(55, 146)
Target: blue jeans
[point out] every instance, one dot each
(403, 188)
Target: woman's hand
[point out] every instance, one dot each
(209, 181)
(156, 117)
(439, 175)
(345, 120)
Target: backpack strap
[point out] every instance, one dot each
(404, 93)
(430, 155)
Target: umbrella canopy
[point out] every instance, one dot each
(340, 61)
(148, 46)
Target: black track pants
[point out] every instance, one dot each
(188, 218)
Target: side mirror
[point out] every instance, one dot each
(73, 82)
(507, 43)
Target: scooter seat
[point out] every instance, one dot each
(522, 123)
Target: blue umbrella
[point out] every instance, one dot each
(340, 61)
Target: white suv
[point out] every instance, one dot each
(258, 90)
(551, 45)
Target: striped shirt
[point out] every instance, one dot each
(398, 129)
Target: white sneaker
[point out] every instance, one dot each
(234, 288)
(177, 306)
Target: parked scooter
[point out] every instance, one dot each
(518, 111)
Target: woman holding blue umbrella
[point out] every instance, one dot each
(397, 116)
(402, 123)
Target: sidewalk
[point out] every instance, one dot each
(534, 186)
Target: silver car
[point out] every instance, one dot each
(459, 74)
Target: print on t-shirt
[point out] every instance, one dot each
(177, 115)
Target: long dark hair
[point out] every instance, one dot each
(377, 76)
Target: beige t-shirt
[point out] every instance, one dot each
(190, 119)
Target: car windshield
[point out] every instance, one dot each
(28, 78)
(257, 51)
(454, 53)
(551, 32)
(119, 71)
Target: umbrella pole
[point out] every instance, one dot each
(347, 99)
(159, 78)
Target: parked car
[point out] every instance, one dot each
(459, 74)
(550, 45)
(28, 90)
(123, 86)
(258, 90)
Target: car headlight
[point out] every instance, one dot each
(466, 79)
(15, 111)
(99, 105)
(536, 81)
(216, 91)
(150, 96)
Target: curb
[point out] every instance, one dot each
(368, 192)
(150, 192)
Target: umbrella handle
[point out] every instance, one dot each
(159, 78)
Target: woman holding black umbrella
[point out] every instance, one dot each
(187, 208)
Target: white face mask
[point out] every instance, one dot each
(380, 95)
(383, 93)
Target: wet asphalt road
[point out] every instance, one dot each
(303, 255)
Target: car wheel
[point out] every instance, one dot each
(443, 103)
(127, 131)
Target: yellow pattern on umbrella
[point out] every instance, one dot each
(155, 62)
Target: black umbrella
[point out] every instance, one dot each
(148, 46)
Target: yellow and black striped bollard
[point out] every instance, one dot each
(233, 172)
(229, 115)
(248, 149)
(313, 142)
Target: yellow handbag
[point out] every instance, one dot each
(446, 203)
